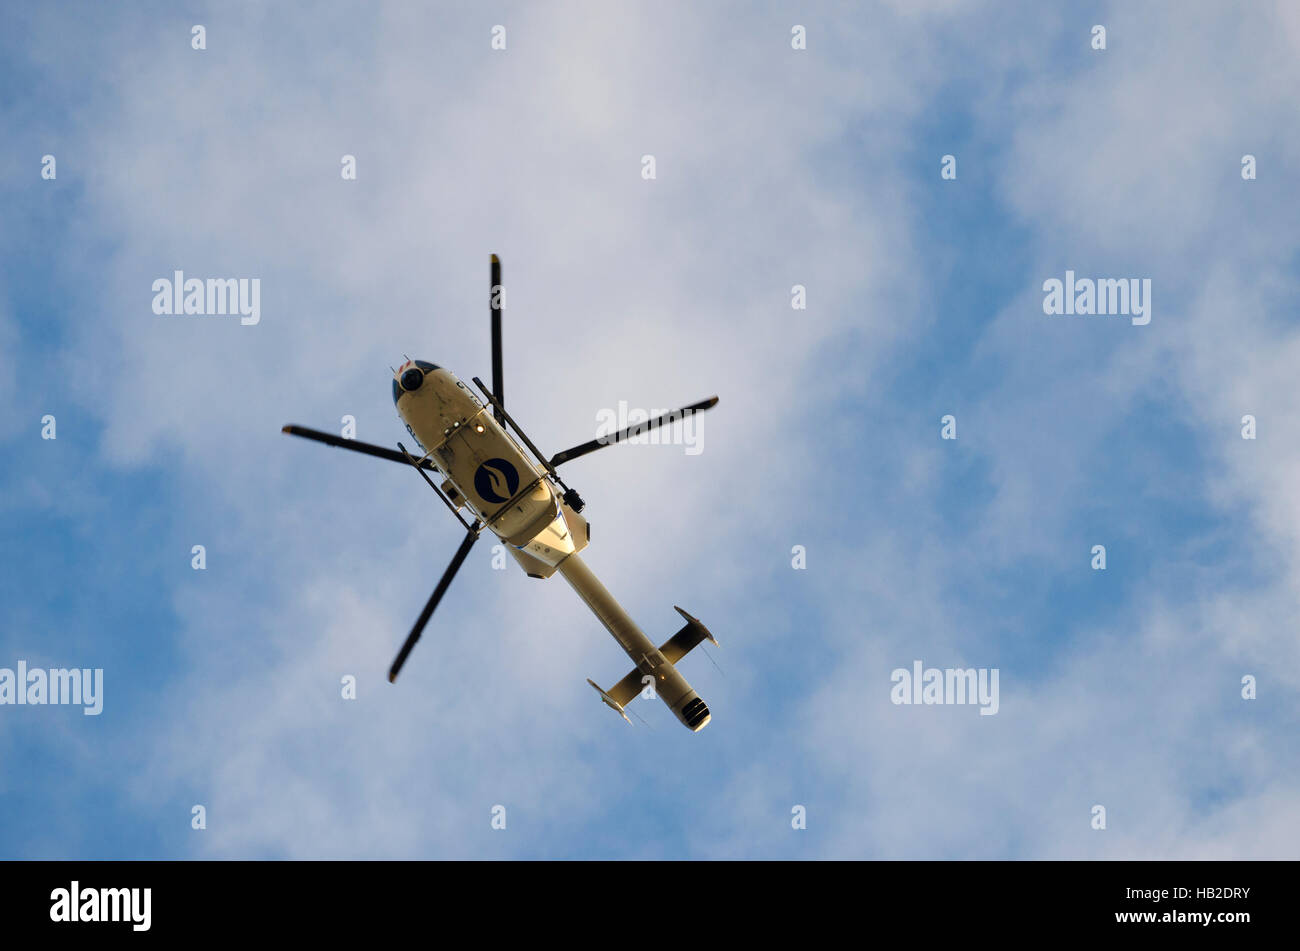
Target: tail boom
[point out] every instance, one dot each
(654, 666)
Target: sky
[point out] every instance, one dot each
(826, 533)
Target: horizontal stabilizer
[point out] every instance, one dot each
(685, 640)
(681, 699)
(612, 701)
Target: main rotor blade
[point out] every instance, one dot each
(495, 302)
(369, 449)
(635, 429)
(434, 598)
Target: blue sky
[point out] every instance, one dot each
(775, 167)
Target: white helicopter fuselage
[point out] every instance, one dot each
(488, 473)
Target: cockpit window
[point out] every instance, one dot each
(397, 391)
(426, 366)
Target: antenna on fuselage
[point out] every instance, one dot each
(711, 660)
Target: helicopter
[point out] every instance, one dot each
(520, 497)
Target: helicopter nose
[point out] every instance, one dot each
(407, 381)
(411, 379)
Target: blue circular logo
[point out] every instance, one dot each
(496, 481)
